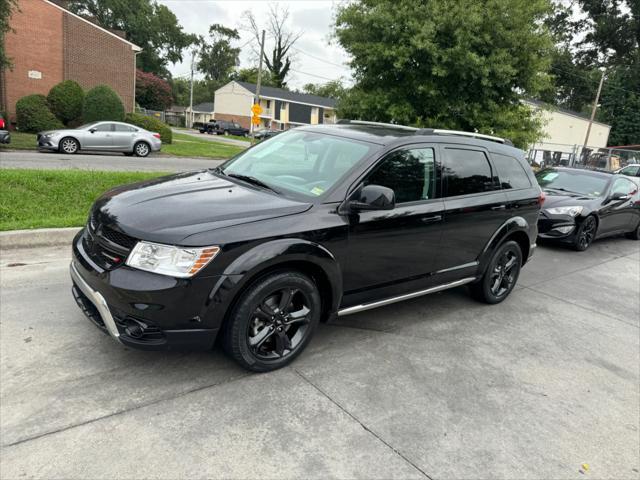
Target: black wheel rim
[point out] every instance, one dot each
(503, 275)
(279, 324)
(587, 232)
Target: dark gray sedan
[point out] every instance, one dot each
(102, 136)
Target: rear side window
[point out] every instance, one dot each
(467, 172)
(124, 128)
(510, 172)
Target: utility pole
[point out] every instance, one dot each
(190, 122)
(593, 115)
(253, 138)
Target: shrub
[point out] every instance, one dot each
(102, 103)
(152, 92)
(33, 115)
(151, 124)
(66, 100)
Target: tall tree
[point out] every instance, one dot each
(333, 89)
(250, 75)
(6, 7)
(146, 23)
(282, 39)
(218, 58)
(462, 65)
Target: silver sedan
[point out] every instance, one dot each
(102, 136)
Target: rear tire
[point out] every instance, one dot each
(268, 328)
(141, 149)
(501, 275)
(68, 145)
(634, 234)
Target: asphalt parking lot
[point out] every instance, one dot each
(437, 387)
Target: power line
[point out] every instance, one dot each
(313, 75)
(592, 80)
(319, 59)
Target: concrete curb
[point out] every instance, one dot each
(44, 237)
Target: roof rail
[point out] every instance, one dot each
(430, 131)
(375, 124)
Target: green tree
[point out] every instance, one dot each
(151, 26)
(250, 75)
(33, 115)
(463, 65)
(333, 89)
(6, 7)
(203, 91)
(217, 57)
(102, 103)
(66, 100)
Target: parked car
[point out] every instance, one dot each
(5, 135)
(101, 136)
(264, 134)
(330, 220)
(583, 205)
(208, 127)
(631, 170)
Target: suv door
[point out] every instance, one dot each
(99, 137)
(475, 207)
(393, 251)
(617, 215)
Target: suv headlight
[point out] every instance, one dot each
(170, 260)
(573, 211)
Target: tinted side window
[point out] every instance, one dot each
(510, 172)
(411, 174)
(467, 172)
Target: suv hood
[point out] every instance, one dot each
(169, 209)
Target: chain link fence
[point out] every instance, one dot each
(562, 155)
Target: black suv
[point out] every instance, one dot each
(325, 221)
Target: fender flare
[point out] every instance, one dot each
(509, 227)
(268, 256)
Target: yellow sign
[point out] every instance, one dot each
(255, 120)
(256, 109)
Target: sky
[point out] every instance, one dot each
(317, 58)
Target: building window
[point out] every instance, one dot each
(268, 104)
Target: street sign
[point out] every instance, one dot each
(255, 119)
(256, 109)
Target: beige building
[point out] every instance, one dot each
(564, 134)
(281, 109)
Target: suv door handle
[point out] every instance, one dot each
(432, 219)
(499, 207)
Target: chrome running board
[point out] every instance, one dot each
(407, 296)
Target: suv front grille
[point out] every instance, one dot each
(118, 238)
(107, 247)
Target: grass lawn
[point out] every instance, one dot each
(189, 146)
(55, 198)
(21, 141)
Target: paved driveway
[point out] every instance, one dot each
(437, 387)
(116, 161)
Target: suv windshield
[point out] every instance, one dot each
(303, 162)
(572, 181)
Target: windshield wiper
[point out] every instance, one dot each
(252, 180)
(561, 189)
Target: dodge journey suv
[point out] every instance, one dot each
(317, 222)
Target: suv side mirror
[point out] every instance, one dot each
(374, 197)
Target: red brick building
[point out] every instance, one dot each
(48, 44)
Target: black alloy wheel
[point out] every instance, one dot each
(586, 234)
(501, 274)
(273, 321)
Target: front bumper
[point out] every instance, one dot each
(5, 136)
(145, 310)
(556, 227)
(47, 143)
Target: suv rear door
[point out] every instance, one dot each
(475, 207)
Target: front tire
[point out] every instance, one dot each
(273, 321)
(585, 234)
(69, 146)
(141, 149)
(501, 275)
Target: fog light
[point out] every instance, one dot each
(566, 229)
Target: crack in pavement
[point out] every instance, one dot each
(396, 451)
